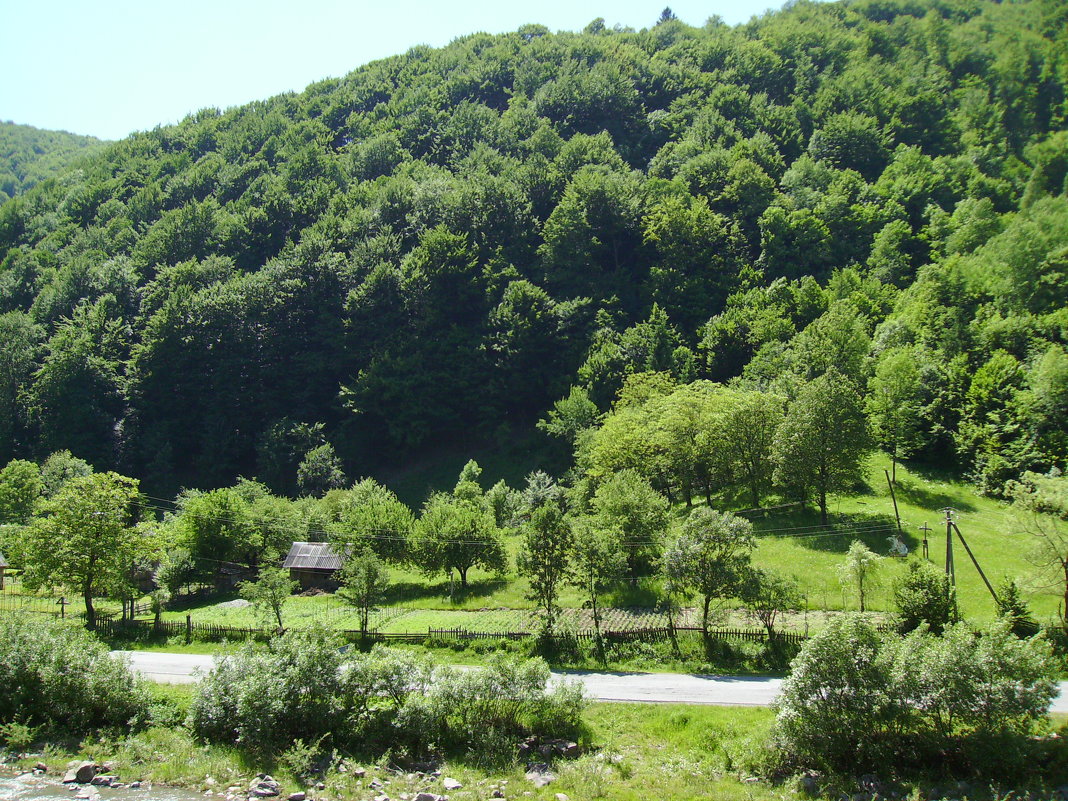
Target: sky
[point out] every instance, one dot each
(107, 68)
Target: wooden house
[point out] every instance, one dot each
(3, 566)
(313, 565)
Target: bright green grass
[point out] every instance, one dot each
(989, 526)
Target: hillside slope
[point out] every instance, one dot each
(434, 248)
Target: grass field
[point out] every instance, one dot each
(790, 541)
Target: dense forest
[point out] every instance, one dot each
(452, 244)
(28, 155)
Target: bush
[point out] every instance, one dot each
(55, 674)
(924, 595)
(303, 688)
(966, 702)
(266, 699)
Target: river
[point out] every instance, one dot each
(27, 787)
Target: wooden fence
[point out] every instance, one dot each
(112, 627)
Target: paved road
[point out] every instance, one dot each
(675, 688)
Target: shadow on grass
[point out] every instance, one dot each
(874, 530)
(407, 591)
(931, 499)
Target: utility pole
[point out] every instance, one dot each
(950, 571)
(925, 529)
(893, 497)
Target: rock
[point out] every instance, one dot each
(562, 797)
(135, 785)
(101, 780)
(750, 780)
(300, 795)
(427, 797)
(376, 784)
(41, 766)
(382, 797)
(264, 787)
(359, 773)
(497, 793)
(810, 783)
(451, 784)
(571, 750)
(82, 774)
(320, 786)
(540, 778)
(87, 793)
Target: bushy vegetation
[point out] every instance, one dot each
(303, 687)
(54, 675)
(965, 703)
(30, 155)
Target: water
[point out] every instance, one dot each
(27, 787)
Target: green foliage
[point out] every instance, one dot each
(454, 534)
(302, 687)
(822, 440)
(56, 675)
(364, 583)
(372, 516)
(269, 591)
(83, 539)
(711, 557)
(1013, 608)
(924, 596)
(436, 247)
(860, 570)
(544, 557)
(20, 490)
(855, 700)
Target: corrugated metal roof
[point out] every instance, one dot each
(3, 561)
(312, 556)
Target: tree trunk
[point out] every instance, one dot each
(823, 506)
(463, 577)
(90, 612)
(704, 618)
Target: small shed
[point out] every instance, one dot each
(313, 565)
(3, 566)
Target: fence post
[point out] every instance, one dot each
(188, 629)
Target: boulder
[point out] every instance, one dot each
(540, 778)
(40, 766)
(497, 793)
(427, 797)
(300, 795)
(104, 780)
(264, 786)
(451, 784)
(83, 773)
(562, 797)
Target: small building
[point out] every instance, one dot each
(3, 566)
(313, 565)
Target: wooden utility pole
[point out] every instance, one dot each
(925, 529)
(950, 571)
(893, 497)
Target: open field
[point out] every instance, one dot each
(790, 541)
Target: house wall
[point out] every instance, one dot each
(314, 579)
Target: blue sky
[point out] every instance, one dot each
(110, 67)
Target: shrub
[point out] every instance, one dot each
(857, 700)
(304, 689)
(55, 674)
(924, 595)
(269, 698)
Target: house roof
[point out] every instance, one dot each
(312, 556)
(3, 561)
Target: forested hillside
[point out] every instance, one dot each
(28, 155)
(439, 246)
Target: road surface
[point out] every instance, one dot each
(653, 688)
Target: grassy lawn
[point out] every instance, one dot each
(790, 542)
